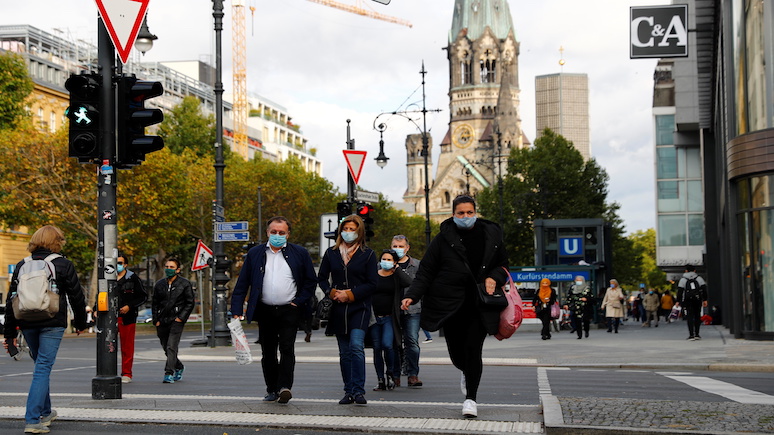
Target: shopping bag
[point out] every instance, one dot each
(555, 311)
(512, 315)
(239, 341)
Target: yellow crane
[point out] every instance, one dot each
(240, 106)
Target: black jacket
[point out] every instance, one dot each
(132, 293)
(66, 281)
(444, 277)
(359, 275)
(172, 300)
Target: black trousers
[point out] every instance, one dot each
(545, 317)
(169, 336)
(692, 314)
(277, 327)
(579, 323)
(465, 336)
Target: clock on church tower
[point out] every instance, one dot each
(462, 136)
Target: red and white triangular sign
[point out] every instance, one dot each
(202, 257)
(122, 19)
(355, 160)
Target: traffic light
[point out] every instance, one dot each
(344, 209)
(364, 210)
(133, 117)
(83, 114)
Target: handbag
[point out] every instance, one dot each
(495, 300)
(513, 314)
(324, 307)
(556, 312)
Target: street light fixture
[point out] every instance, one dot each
(381, 159)
(145, 38)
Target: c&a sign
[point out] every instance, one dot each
(659, 31)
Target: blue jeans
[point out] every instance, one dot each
(44, 345)
(352, 360)
(383, 336)
(410, 326)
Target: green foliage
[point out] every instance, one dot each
(389, 221)
(15, 87)
(185, 127)
(644, 243)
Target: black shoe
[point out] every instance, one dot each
(271, 397)
(284, 396)
(360, 399)
(609, 330)
(616, 331)
(544, 337)
(346, 400)
(579, 337)
(390, 385)
(698, 337)
(587, 334)
(380, 386)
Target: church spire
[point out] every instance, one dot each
(474, 16)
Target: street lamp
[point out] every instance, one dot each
(381, 159)
(145, 38)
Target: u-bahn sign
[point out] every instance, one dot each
(658, 31)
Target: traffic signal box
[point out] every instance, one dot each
(132, 119)
(343, 209)
(83, 114)
(364, 210)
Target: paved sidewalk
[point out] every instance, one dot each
(663, 348)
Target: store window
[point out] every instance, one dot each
(671, 230)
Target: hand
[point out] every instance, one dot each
(235, 316)
(5, 343)
(704, 304)
(490, 285)
(341, 296)
(124, 309)
(404, 304)
(583, 299)
(158, 323)
(177, 319)
(80, 332)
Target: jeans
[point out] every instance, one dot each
(410, 326)
(44, 345)
(383, 337)
(126, 335)
(352, 361)
(169, 336)
(277, 326)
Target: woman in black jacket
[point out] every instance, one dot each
(544, 299)
(44, 336)
(466, 257)
(348, 276)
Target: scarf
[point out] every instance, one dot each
(347, 251)
(545, 292)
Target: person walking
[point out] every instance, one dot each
(651, 302)
(581, 304)
(667, 302)
(613, 304)
(131, 296)
(172, 303)
(43, 337)
(348, 275)
(692, 294)
(449, 289)
(545, 297)
(280, 280)
(409, 319)
(386, 304)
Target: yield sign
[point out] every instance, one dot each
(202, 257)
(355, 160)
(123, 19)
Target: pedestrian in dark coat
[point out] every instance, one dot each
(466, 257)
(544, 299)
(173, 301)
(581, 303)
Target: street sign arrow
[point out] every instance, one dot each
(122, 19)
(355, 160)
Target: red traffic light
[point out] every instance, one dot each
(364, 209)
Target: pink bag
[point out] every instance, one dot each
(512, 315)
(556, 312)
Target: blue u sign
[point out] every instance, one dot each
(571, 246)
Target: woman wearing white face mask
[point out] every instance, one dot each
(581, 303)
(348, 276)
(386, 331)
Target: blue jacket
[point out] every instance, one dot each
(360, 275)
(251, 278)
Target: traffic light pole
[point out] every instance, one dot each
(107, 384)
(350, 180)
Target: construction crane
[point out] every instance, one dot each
(240, 105)
(357, 9)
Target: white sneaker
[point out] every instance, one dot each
(469, 409)
(126, 379)
(463, 386)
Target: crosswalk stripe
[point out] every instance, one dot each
(725, 389)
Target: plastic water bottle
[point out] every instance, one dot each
(54, 287)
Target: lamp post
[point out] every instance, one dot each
(381, 159)
(145, 38)
(219, 333)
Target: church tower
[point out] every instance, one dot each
(483, 103)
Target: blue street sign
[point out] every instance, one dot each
(536, 276)
(571, 246)
(232, 237)
(231, 226)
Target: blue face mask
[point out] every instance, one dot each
(465, 223)
(277, 241)
(386, 265)
(120, 268)
(400, 251)
(348, 236)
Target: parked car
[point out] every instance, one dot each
(145, 316)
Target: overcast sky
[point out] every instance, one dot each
(326, 65)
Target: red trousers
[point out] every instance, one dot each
(126, 338)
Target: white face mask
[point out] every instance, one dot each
(578, 282)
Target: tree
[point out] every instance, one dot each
(644, 243)
(15, 87)
(186, 127)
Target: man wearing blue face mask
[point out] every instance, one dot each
(467, 254)
(280, 280)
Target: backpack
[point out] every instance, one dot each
(692, 292)
(512, 315)
(37, 296)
